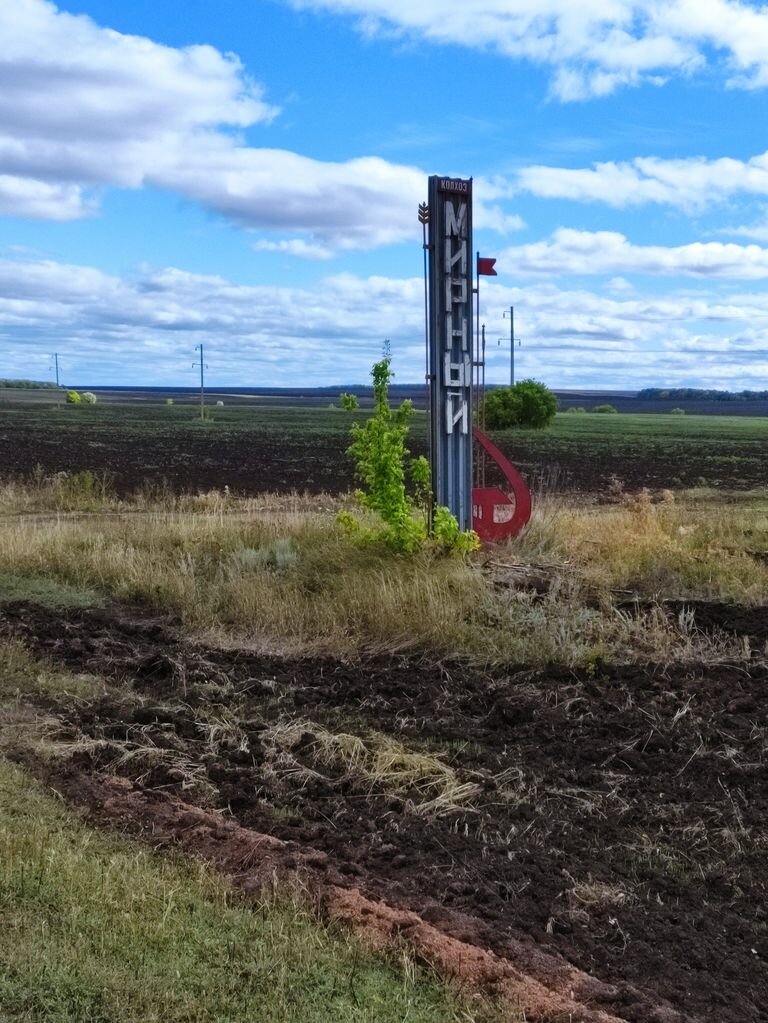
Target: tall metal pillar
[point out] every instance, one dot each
(450, 343)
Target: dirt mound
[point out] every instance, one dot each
(256, 862)
(615, 821)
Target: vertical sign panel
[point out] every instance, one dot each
(450, 343)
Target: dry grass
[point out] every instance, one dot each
(694, 546)
(584, 896)
(92, 493)
(282, 576)
(25, 677)
(376, 763)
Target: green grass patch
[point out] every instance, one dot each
(24, 678)
(38, 589)
(97, 929)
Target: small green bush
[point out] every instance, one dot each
(349, 402)
(88, 398)
(383, 465)
(169, 401)
(605, 409)
(527, 404)
(74, 398)
(677, 411)
(576, 409)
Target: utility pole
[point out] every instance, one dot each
(56, 364)
(203, 367)
(512, 340)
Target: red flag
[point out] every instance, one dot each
(485, 267)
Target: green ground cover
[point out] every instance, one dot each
(150, 418)
(97, 929)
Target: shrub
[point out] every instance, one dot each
(349, 402)
(576, 409)
(378, 448)
(677, 411)
(74, 398)
(527, 404)
(383, 466)
(605, 409)
(169, 401)
(88, 398)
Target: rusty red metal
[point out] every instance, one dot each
(496, 515)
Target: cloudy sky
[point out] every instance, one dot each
(246, 174)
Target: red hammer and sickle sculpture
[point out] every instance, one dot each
(495, 516)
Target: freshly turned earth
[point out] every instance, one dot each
(619, 820)
(258, 450)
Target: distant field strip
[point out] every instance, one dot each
(253, 449)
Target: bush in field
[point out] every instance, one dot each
(576, 409)
(605, 409)
(527, 404)
(384, 466)
(677, 411)
(349, 402)
(169, 401)
(74, 398)
(88, 398)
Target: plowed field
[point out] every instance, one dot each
(597, 838)
(252, 450)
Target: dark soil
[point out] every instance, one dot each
(246, 462)
(618, 820)
(716, 618)
(258, 450)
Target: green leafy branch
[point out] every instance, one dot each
(397, 486)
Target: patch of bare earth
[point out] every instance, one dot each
(586, 847)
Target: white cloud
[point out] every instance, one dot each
(691, 183)
(41, 200)
(295, 247)
(594, 47)
(143, 330)
(620, 286)
(600, 252)
(758, 230)
(83, 107)
(85, 104)
(357, 204)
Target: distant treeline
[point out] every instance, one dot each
(28, 384)
(699, 394)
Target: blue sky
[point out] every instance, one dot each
(246, 175)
